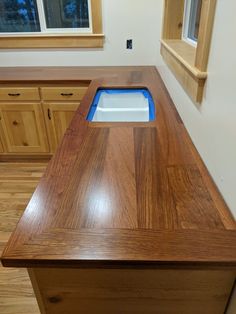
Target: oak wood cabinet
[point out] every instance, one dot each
(1, 147)
(58, 117)
(60, 104)
(23, 128)
(63, 93)
(19, 93)
(34, 117)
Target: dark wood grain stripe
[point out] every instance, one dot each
(194, 205)
(88, 169)
(154, 199)
(114, 202)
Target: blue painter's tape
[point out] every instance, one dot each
(145, 92)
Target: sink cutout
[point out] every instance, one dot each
(122, 105)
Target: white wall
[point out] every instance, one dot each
(212, 125)
(122, 20)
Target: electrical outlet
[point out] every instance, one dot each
(129, 44)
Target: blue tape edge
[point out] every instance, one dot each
(145, 92)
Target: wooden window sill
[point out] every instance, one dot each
(52, 41)
(184, 53)
(180, 57)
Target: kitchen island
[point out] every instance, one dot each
(126, 218)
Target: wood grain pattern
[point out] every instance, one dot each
(17, 183)
(52, 41)
(123, 194)
(58, 116)
(205, 33)
(173, 19)
(1, 147)
(193, 85)
(63, 93)
(184, 53)
(97, 16)
(19, 93)
(187, 189)
(156, 209)
(22, 126)
(106, 291)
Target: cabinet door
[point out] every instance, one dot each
(1, 147)
(58, 117)
(23, 128)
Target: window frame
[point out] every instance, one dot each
(187, 62)
(59, 38)
(45, 29)
(186, 23)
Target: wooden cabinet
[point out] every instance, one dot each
(1, 147)
(58, 117)
(63, 93)
(59, 105)
(34, 117)
(22, 126)
(19, 93)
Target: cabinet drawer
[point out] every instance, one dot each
(19, 93)
(63, 93)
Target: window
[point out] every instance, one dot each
(29, 16)
(66, 14)
(19, 16)
(185, 43)
(192, 20)
(51, 24)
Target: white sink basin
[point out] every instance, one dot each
(121, 106)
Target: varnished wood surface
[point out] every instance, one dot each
(139, 291)
(22, 128)
(17, 184)
(124, 193)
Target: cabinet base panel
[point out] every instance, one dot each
(129, 291)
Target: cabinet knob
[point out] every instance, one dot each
(15, 122)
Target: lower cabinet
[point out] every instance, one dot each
(23, 128)
(34, 117)
(1, 147)
(58, 117)
(132, 291)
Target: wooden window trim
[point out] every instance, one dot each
(62, 40)
(188, 63)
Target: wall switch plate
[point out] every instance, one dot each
(129, 44)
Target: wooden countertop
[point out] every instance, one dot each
(122, 193)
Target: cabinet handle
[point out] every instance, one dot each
(69, 94)
(13, 95)
(49, 114)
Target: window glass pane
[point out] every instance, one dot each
(66, 13)
(194, 21)
(19, 16)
